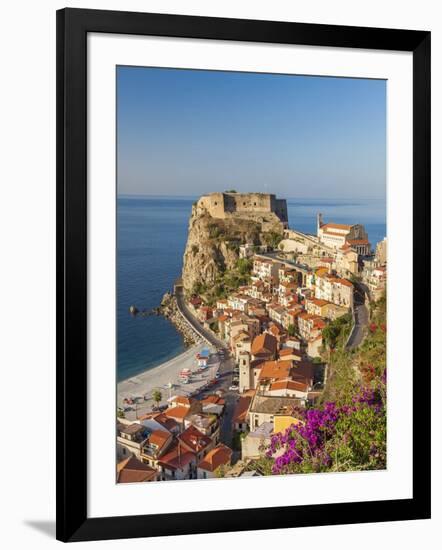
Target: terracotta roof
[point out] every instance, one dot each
(131, 470)
(345, 282)
(176, 457)
(194, 439)
(318, 302)
(218, 456)
(306, 315)
(275, 369)
(294, 312)
(264, 344)
(276, 330)
(159, 438)
(178, 412)
(241, 408)
(212, 399)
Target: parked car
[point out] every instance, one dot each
(234, 387)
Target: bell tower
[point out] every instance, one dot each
(318, 223)
(244, 371)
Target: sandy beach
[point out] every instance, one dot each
(159, 378)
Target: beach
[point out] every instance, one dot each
(160, 377)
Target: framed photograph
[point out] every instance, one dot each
(243, 237)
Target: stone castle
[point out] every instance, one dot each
(244, 205)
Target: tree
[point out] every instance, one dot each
(333, 330)
(157, 396)
(272, 239)
(231, 191)
(244, 266)
(291, 330)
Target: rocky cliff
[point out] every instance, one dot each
(212, 249)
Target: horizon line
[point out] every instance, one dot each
(158, 196)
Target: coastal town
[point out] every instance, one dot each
(262, 307)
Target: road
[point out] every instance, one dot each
(225, 370)
(361, 318)
(193, 321)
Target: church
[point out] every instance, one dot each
(341, 236)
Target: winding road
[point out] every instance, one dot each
(360, 318)
(225, 369)
(195, 324)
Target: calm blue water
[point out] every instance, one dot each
(152, 234)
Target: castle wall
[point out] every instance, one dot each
(213, 203)
(281, 209)
(220, 205)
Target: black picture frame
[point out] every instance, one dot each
(73, 25)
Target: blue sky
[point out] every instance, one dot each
(187, 132)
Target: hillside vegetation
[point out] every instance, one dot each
(211, 263)
(347, 430)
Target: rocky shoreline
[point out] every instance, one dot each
(169, 310)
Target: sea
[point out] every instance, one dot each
(151, 237)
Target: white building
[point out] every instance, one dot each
(336, 235)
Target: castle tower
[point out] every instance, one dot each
(244, 371)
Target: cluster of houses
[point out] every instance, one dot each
(181, 442)
(273, 327)
(290, 306)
